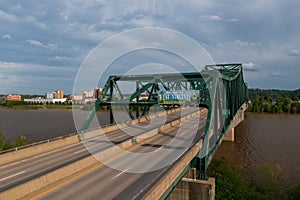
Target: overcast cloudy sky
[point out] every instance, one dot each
(43, 43)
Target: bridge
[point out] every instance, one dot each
(162, 138)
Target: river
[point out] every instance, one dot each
(260, 138)
(37, 125)
(265, 138)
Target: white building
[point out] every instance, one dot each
(77, 99)
(87, 94)
(42, 100)
(50, 95)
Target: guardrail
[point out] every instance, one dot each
(37, 143)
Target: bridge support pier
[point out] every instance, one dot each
(192, 188)
(229, 136)
(240, 115)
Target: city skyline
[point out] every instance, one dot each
(44, 44)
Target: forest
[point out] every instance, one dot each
(274, 101)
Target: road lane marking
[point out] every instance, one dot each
(44, 154)
(40, 155)
(68, 180)
(9, 165)
(3, 179)
(80, 151)
(119, 174)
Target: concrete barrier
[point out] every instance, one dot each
(159, 189)
(99, 131)
(36, 149)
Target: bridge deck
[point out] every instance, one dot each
(107, 183)
(20, 172)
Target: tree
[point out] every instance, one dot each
(294, 194)
(271, 181)
(229, 184)
(4, 143)
(287, 104)
(20, 141)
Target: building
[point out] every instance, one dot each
(87, 94)
(50, 95)
(59, 94)
(13, 97)
(77, 99)
(97, 92)
(44, 101)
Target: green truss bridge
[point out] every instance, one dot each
(218, 90)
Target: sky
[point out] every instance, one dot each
(44, 43)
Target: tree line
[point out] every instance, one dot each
(271, 183)
(274, 101)
(5, 144)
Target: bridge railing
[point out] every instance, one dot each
(37, 143)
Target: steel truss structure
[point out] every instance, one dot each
(222, 91)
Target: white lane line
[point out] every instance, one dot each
(11, 164)
(77, 152)
(40, 155)
(119, 174)
(44, 154)
(3, 179)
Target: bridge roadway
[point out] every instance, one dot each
(107, 183)
(16, 173)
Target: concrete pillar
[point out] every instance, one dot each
(229, 136)
(191, 188)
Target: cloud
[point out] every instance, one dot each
(22, 19)
(245, 43)
(292, 52)
(239, 43)
(233, 20)
(211, 17)
(61, 59)
(73, 28)
(33, 21)
(36, 43)
(7, 37)
(7, 16)
(277, 74)
(33, 78)
(250, 67)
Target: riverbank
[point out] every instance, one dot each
(270, 184)
(274, 101)
(40, 107)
